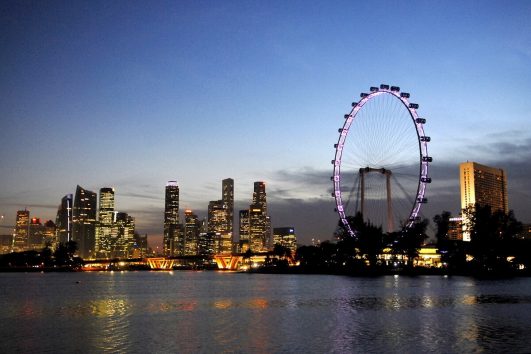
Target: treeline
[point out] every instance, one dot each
(62, 258)
(362, 254)
(497, 244)
(496, 247)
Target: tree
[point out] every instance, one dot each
(443, 226)
(411, 239)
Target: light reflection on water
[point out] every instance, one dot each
(219, 312)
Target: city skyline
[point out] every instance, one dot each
(133, 95)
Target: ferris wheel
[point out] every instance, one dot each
(381, 161)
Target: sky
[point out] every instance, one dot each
(132, 94)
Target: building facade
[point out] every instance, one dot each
(285, 236)
(482, 185)
(84, 222)
(192, 227)
(173, 242)
(21, 236)
(63, 220)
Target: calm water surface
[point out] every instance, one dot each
(217, 312)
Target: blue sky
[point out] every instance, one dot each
(133, 94)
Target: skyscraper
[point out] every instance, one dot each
(191, 233)
(227, 186)
(173, 242)
(21, 237)
(482, 185)
(63, 220)
(218, 224)
(259, 220)
(244, 230)
(285, 236)
(124, 241)
(84, 222)
(105, 238)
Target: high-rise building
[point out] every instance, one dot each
(173, 242)
(482, 185)
(218, 224)
(84, 222)
(50, 234)
(191, 233)
(285, 236)
(21, 237)
(244, 230)
(63, 221)
(259, 220)
(36, 234)
(105, 237)
(124, 229)
(228, 199)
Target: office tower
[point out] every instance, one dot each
(218, 224)
(50, 234)
(259, 220)
(105, 237)
(123, 236)
(191, 233)
(482, 185)
(173, 243)
(244, 230)
(20, 239)
(36, 235)
(63, 221)
(228, 199)
(6, 244)
(285, 236)
(84, 222)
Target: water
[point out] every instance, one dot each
(216, 312)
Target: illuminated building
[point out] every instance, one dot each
(218, 224)
(482, 185)
(259, 221)
(206, 243)
(173, 243)
(6, 244)
(124, 229)
(285, 236)
(244, 230)
(221, 217)
(84, 222)
(228, 199)
(36, 235)
(191, 233)
(105, 239)
(63, 221)
(455, 229)
(20, 238)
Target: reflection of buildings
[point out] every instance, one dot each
(84, 222)
(482, 185)
(21, 237)
(285, 236)
(173, 242)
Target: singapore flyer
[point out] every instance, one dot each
(381, 161)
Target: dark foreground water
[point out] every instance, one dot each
(215, 312)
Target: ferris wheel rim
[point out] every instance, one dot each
(424, 158)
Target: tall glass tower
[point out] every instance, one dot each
(63, 220)
(106, 218)
(84, 222)
(172, 240)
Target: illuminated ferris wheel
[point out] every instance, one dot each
(381, 161)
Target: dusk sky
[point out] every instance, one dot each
(130, 94)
